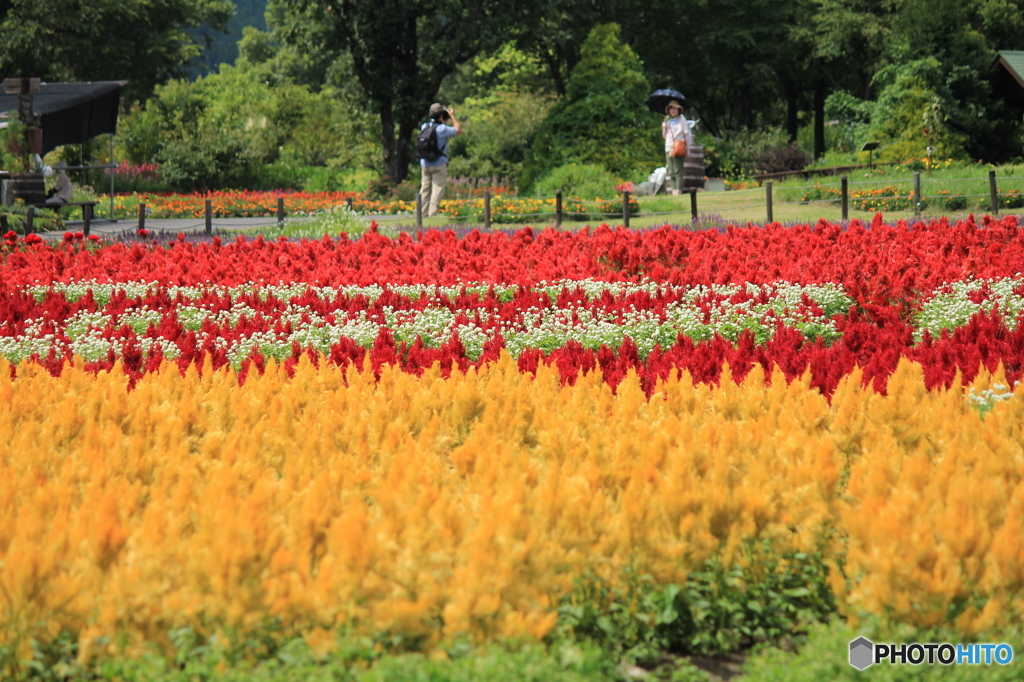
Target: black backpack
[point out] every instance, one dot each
(426, 144)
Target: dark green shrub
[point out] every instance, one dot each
(719, 609)
(736, 155)
(584, 180)
(780, 159)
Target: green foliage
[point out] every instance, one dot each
(400, 56)
(823, 655)
(507, 69)
(143, 41)
(501, 97)
(915, 110)
(233, 129)
(331, 222)
(853, 119)
(354, 659)
(42, 220)
(740, 153)
(718, 610)
(586, 181)
(335, 179)
(498, 130)
(14, 155)
(206, 158)
(222, 45)
(602, 119)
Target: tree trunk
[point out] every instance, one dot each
(553, 60)
(397, 149)
(403, 151)
(792, 112)
(819, 119)
(387, 140)
(746, 108)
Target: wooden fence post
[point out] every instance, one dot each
(419, 211)
(992, 193)
(487, 209)
(844, 189)
(768, 199)
(558, 208)
(693, 204)
(86, 219)
(917, 193)
(142, 216)
(280, 211)
(625, 209)
(209, 217)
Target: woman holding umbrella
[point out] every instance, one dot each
(678, 138)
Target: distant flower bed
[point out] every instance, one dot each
(245, 204)
(232, 204)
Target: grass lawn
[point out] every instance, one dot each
(749, 205)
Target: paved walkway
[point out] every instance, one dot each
(103, 227)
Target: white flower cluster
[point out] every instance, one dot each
(32, 342)
(954, 304)
(698, 312)
(987, 399)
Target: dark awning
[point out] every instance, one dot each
(72, 113)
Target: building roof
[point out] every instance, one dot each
(72, 113)
(1013, 62)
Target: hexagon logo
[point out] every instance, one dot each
(861, 653)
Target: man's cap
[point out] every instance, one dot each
(436, 110)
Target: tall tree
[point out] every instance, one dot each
(143, 41)
(602, 119)
(400, 51)
(852, 38)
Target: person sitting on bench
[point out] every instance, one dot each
(63, 190)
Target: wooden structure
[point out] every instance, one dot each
(1008, 77)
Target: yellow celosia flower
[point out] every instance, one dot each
(433, 507)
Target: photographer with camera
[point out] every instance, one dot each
(432, 148)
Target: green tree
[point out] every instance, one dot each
(1002, 24)
(143, 41)
(602, 119)
(852, 38)
(401, 51)
(222, 46)
(915, 110)
(502, 97)
(237, 129)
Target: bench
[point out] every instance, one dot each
(86, 206)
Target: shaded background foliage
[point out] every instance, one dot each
(330, 95)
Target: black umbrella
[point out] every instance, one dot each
(659, 99)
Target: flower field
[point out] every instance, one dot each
(251, 204)
(228, 204)
(665, 443)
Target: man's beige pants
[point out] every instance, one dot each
(432, 187)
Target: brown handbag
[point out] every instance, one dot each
(678, 149)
